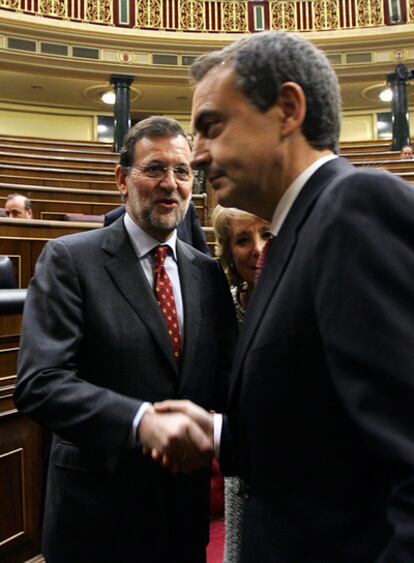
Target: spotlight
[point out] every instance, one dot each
(108, 97)
(386, 95)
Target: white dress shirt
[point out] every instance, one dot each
(144, 245)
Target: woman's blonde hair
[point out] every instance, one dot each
(221, 218)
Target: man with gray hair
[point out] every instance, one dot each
(407, 153)
(320, 418)
(18, 207)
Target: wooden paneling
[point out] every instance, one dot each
(10, 326)
(94, 176)
(49, 193)
(21, 460)
(25, 239)
(21, 485)
(7, 175)
(11, 472)
(368, 147)
(395, 166)
(22, 149)
(47, 201)
(43, 207)
(53, 143)
(380, 155)
(57, 161)
(8, 364)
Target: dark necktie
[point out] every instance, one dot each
(165, 297)
(262, 259)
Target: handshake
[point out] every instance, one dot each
(177, 434)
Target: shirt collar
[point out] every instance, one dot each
(288, 198)
(143, 243)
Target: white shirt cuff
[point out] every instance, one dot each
(217, 426)
(133, 441)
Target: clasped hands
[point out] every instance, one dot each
(177, 434)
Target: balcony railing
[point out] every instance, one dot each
(222, 16)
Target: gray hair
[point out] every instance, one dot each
(26, 201)
(265, 61)
(153, 127)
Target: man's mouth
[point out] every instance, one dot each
(167, 203)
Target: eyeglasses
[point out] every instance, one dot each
(158, 171)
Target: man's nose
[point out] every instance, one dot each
(200, 157)
(169, 181)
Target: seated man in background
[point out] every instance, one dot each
(407, 153)
(18, 207)
(116, 319)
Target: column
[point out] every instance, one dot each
(122, 119)
(399, 106)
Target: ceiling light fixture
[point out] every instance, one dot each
(386, 95)
(108, 97)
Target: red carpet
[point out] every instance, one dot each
(215, 548)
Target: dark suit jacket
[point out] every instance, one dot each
(94, 346)
(322, 390)
(189, 230)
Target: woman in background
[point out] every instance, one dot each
(240, 238)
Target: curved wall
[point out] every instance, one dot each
(51, 66)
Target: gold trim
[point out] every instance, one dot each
(190, 15)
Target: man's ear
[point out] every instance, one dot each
(292, 103)
(121, 180)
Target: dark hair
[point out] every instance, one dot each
(265, 61)
(27, 202)
(152, 127)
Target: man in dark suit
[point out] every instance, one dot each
(320, 410)
(97, 350)
(189, 230)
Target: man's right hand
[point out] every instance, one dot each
(175, 440)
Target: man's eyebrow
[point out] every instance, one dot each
(203, 116)
(156, 162)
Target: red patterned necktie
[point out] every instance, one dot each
(262, 259)
(165, 298)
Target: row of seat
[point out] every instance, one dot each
(54, 202)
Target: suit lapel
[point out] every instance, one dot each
(279, 253)
(128, 276)
(191, 291)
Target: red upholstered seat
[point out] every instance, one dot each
(215, 549)
(216, 491)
